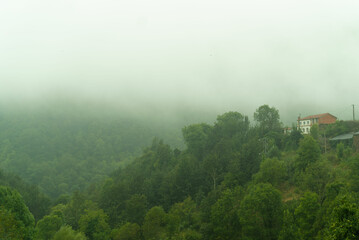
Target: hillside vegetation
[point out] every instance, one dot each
(66, 149)
(233, 180)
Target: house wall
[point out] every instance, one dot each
(322, 119)
(305, 125)
(327, 119)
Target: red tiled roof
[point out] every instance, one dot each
(314, 116)
(325, 118)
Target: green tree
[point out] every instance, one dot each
(36, 201)
(196, 138)
(187, 234)
(289, 228)
(66, 233)
(340, 150)
(229, 125)
(113, 199)
(74, 209)
(344, 222)
(154, 225)
(291, 141)
(48, 226)
(224, 214)
(135, 208)
(182, 216)
(268, 119)
(316, 176)
(308, 152)
(214, 168)
(128, 231)
(94, 224)
(261, 213)
(271, 171)
(10, 228)
(14, 208)
(314, 132)
(186, 179)
(249, 161)
(306, 215)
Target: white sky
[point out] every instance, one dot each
(299, 56)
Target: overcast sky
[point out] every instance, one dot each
(301, 56)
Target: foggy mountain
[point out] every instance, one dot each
(300, 57)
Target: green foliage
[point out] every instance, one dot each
(224, 214)
(314, 132)
(341, 127)
(15, 210)
(230, 125)
(59, 210)
(196, 138)
(261, 213)
(344, 222)
(113, 199)
(10, 228)
(291, 141)
(308, 152)
(268, 119)
(48, 226)
(128, 231)
(187, 178)
(271, 171)
(94, 224)
(135, 208)
(353, 178)
(36, 201)
(182, 216)
(214, 166)
(343, 152)
(340, 150)
(64, 149)
(316, 176)
(230, 169)
(187, 234)
(306, 214)
(76, 208)
(249, 160)
(289, 228)
(66, 233)
(154, 225)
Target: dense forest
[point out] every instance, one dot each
(233, 179)
(75, 145)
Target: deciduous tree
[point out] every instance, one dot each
(261, 213)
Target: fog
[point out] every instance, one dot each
(208, 56)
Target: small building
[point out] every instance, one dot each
(348, 138)
(304, 124)
(287, 130)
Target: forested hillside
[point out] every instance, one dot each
(233, 180)
(67, 148)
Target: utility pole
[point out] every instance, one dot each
(353, 113)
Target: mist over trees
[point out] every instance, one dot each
(77, 146)
(233, 179)
(163, 120)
